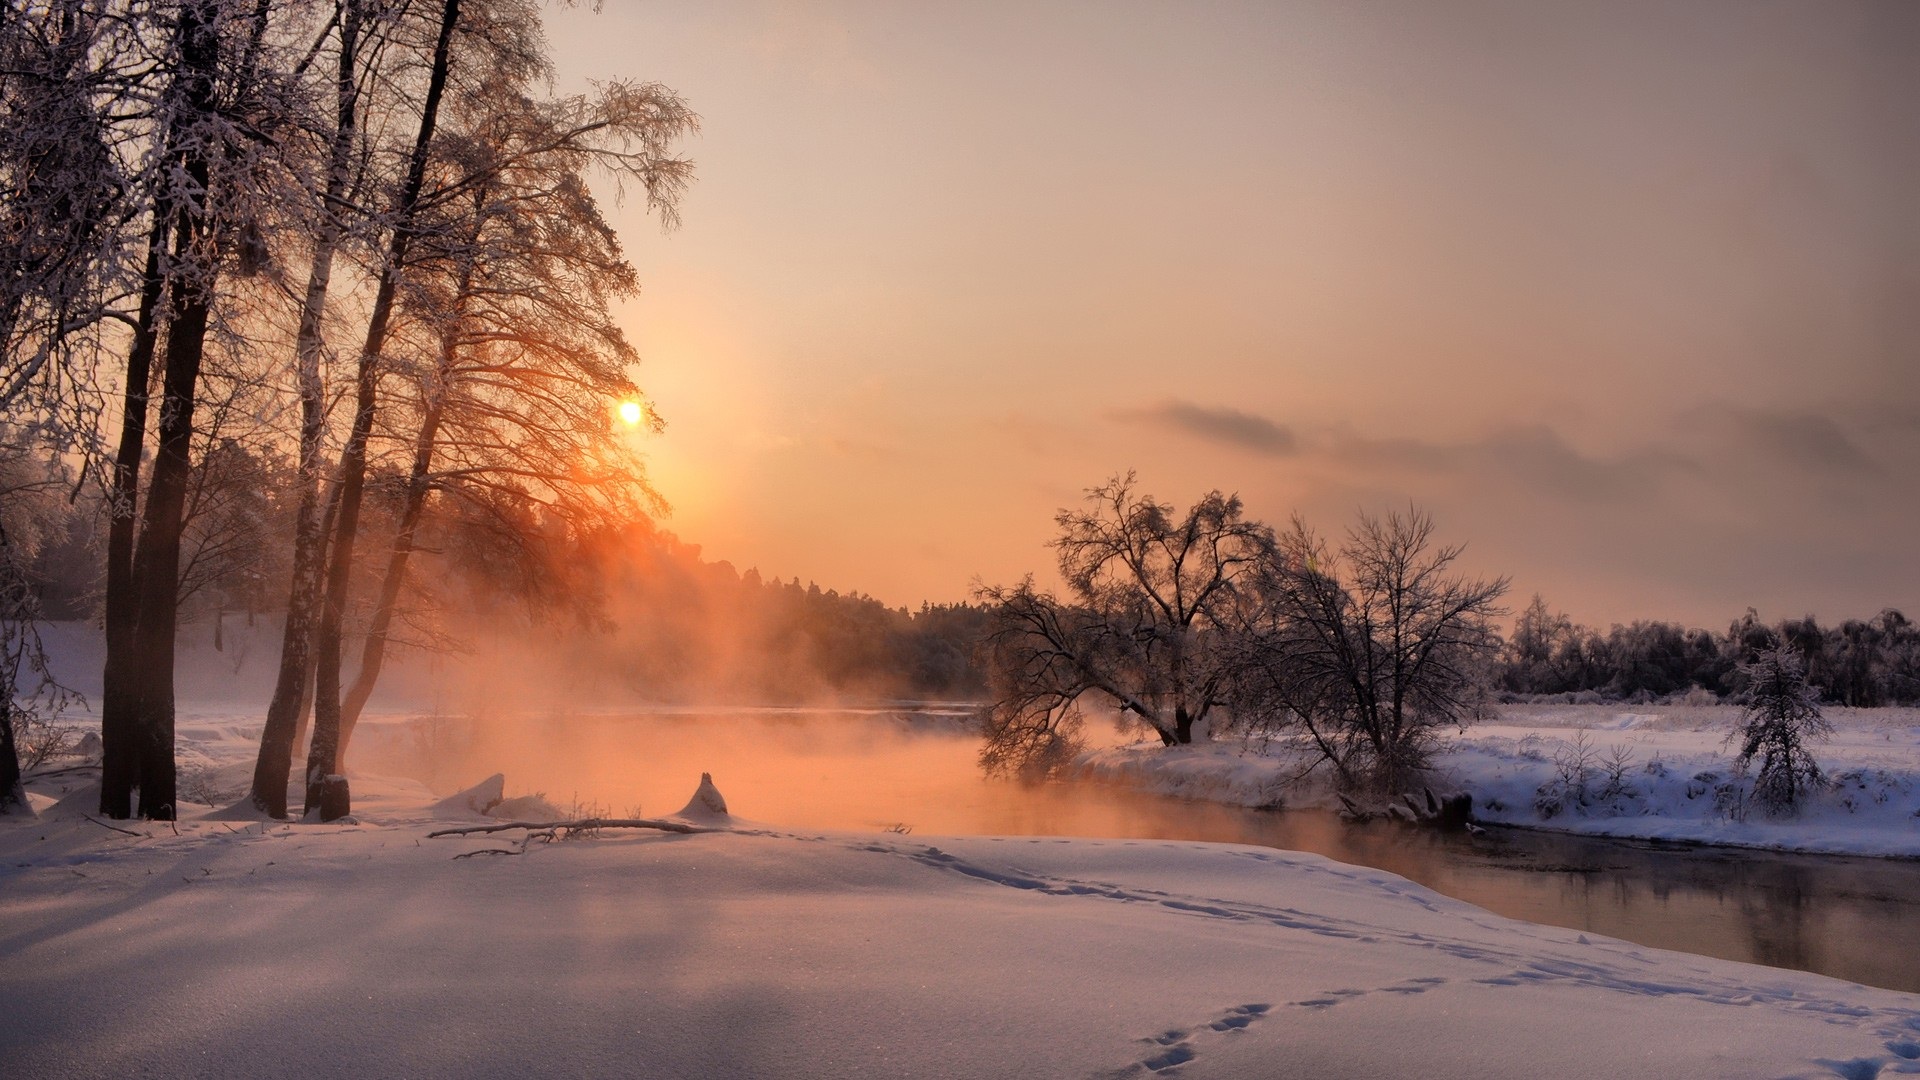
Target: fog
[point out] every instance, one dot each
(634, 616)
(840, 768)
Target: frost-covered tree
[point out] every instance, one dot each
(482, 48)
(1539, 640)
(510, 295)
(334, 210)
(1779, 718)
(66, 73)
(1368, 651)
(226, 100)
(1148, 593)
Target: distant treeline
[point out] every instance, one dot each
(1856, 662)
(680, 627)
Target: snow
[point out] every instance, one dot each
(1680, 782)
(366, 947)
(476, 801)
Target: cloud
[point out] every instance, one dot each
(1536, 456)
(1229, 427)
(1805, 439)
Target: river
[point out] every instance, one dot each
(915, 772)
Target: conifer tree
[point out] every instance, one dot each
(1781, 715)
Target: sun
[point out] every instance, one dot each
(630, 413)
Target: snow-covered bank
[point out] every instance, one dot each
(1647, 772)
(369, 949)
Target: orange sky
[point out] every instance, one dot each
(1625, 293)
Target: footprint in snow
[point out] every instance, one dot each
(1174, 1047)
(1238, 1017)
(1330, 998)
(1170, 1058)
(1857, 1069)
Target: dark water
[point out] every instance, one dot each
(1855, 919)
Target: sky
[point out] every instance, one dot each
(1626, 295)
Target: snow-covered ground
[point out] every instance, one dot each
(1654, 772)
(246, 948)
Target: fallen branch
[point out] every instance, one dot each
(41, 774)
(582, 824)
(115, 828)
(487, 851)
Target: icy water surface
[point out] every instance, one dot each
(1856, 919)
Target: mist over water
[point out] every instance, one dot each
(870, 770)
(856, 769)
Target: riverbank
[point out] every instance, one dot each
(369, 947)
(1640, 772)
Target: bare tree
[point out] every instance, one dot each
(1366, 653)
(234, 529)
(1149, 593)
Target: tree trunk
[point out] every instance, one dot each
(303, 727)
(156, 559)
(436, 392)
(323, 757)
(303, 721)
(119, 762)
(156, 569)
(12, 792)
(1182, 726)
(291, 693)
(374, 651)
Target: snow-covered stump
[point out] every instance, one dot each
(335, 800)
(478, 800)
(707, 803)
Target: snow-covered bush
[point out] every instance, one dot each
(1574, 761)
(1572, 768)
(1780, 716)
(1528, 747)
(1585, 776)
(1614, 764)
(202, 783)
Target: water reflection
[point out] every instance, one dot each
(1857, 919)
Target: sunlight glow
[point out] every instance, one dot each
(630, 413)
